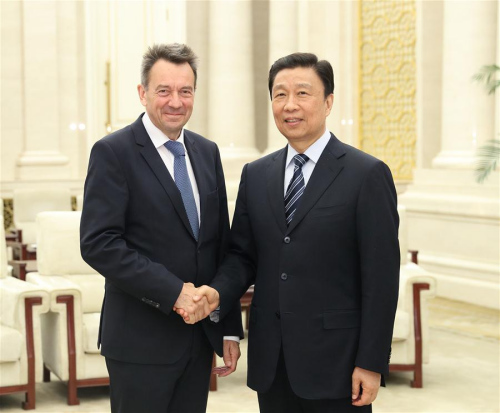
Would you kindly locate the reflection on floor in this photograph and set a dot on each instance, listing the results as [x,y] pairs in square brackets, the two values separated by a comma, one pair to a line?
[463,374]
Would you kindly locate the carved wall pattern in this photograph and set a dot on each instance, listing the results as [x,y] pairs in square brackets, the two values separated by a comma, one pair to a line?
[7,213]
[388,126]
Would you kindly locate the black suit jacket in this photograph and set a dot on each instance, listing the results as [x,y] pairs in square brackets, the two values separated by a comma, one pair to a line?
[326,286]
[135,232]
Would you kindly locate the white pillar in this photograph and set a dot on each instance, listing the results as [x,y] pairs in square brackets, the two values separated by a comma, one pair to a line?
[497,103]
[469,42]
[231,93]
[452,220]
[231,112]
[283,41]
[41,93]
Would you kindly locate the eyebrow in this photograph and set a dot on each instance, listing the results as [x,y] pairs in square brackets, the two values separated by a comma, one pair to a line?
[168,87]
[282,86]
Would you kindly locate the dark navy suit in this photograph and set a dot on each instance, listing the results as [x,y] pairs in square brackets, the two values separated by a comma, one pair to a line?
[135,232]
[326,286]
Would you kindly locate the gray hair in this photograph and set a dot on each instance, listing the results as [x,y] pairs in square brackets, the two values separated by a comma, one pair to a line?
[174,52]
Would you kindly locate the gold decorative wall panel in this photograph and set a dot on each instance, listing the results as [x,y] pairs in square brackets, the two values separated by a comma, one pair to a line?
[388,126]
[7,213]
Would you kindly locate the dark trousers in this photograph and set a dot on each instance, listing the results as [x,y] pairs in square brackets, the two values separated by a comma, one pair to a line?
[280,398]
[181,387]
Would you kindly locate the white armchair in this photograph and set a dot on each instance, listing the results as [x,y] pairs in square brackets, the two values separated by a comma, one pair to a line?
[20,352]
[410,341]
[27,204]
[79,202]
[71,327]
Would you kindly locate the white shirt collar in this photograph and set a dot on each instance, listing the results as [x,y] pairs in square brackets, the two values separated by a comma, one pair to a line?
[313,152]
[156,135]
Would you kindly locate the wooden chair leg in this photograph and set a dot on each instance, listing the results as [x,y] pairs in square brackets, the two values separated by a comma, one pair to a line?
[72,393]
[70,323]
[29,402]
[414,256]
[46,374]
[213,377]
[247,317]
[417,381]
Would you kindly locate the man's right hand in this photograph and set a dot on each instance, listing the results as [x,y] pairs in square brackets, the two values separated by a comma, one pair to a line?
[190,310]
[204,300]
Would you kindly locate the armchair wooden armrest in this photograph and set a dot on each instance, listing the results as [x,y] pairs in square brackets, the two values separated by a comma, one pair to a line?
[22,251]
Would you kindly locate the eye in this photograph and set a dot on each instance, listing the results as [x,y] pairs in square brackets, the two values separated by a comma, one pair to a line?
[162,93]
[186,92]
[302,93]
[279,95]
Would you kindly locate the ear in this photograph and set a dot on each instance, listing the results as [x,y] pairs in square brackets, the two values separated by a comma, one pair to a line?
[142,94]
[329,104]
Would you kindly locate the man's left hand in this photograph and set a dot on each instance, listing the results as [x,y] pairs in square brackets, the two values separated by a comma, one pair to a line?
[365,385]
[231,355]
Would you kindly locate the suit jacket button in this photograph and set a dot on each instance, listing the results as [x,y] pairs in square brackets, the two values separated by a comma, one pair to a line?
[286,240]
[284,276]
[278,315]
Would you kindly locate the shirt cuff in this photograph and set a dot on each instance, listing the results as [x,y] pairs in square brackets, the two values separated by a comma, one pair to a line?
[232,338]
[214,315]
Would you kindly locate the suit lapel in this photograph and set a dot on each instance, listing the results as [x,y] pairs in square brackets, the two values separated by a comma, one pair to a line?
[201,172]
[325,172]
[275,187]
[150,154]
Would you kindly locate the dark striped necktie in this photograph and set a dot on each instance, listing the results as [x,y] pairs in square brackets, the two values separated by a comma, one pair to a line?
[295,188]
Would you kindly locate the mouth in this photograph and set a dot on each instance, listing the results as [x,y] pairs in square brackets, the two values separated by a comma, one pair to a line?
[292,121]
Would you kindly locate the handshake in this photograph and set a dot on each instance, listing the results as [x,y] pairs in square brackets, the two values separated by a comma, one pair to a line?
[194,304]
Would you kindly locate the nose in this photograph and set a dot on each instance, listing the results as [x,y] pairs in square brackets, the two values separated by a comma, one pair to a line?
[175,101]
[290,103]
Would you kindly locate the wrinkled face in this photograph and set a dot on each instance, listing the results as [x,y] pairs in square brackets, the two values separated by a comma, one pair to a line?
[169,97]
[299,105]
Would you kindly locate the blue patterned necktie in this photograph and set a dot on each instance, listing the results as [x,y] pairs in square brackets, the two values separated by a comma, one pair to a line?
[295,188]
[182,181]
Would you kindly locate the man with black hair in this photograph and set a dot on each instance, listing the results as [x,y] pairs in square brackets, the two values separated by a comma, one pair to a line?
[316,230]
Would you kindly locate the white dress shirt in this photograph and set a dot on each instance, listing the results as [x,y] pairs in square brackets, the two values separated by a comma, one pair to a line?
[313,152]
[159,139]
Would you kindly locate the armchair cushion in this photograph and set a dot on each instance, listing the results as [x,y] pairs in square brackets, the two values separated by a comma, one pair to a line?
[403,234]
[29,202]
[4,270]
[91,332]
[403,342]
[59,251]
[91,287]
[79,202]
[29,232]
[13,358]
[401,326]
[12,343]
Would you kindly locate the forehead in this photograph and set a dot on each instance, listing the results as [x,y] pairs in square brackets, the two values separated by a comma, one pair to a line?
[296,76]
[168,73]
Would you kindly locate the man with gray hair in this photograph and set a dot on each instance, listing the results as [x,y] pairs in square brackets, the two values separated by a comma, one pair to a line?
[155,224]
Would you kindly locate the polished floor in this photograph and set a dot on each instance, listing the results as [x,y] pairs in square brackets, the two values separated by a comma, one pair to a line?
[462,376]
